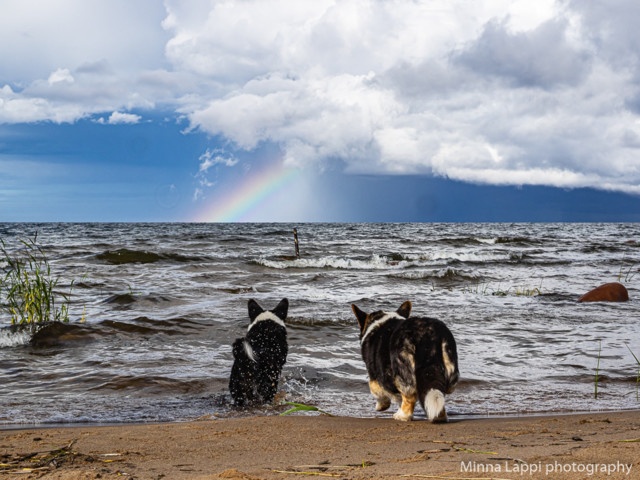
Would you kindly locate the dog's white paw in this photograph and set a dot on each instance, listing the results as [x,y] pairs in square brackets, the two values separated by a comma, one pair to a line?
[402,416]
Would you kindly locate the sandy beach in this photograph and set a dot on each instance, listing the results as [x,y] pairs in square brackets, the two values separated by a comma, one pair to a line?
[604,445]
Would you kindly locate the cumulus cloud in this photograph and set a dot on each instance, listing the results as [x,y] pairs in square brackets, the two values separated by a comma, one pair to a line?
[211,158]
[60,75]
[505,92]
[117,117]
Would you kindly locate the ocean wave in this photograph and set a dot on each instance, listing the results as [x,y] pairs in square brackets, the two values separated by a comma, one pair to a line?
[443,275]
[57,333]
[44,335]
[319,322]
[392,261]
[14,336]
[471,241]
[151,384]
[124,256]
[375,262]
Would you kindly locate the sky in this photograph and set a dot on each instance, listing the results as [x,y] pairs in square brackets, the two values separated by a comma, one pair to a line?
[323,110]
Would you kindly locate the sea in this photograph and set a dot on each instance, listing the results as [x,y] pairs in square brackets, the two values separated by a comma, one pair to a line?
[155,308]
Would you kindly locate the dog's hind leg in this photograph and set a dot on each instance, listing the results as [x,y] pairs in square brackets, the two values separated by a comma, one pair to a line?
[405,379]
[405,412]
[383,399]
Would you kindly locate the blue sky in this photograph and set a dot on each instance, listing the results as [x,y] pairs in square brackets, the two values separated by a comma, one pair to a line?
[319,111]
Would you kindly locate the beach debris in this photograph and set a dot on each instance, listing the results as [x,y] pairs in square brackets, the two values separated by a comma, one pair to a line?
[609,292]
[418,475]
[300,407]
[48,460]
[460,449]
[235,474]
[318,474]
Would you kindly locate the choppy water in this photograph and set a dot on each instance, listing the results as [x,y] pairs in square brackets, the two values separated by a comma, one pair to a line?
[164,302]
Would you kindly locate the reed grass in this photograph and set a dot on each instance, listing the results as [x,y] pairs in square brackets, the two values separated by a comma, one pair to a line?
[597,369]
[626,277]
[485,289]
[637,374]
[27,288]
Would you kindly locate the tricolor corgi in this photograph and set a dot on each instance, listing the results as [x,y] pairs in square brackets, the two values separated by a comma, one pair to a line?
[259,356]
[408,359]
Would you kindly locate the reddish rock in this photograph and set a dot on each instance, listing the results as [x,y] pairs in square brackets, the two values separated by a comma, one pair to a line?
[609,292]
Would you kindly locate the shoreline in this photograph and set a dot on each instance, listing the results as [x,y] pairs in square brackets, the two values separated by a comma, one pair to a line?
[451,419]
[342,447]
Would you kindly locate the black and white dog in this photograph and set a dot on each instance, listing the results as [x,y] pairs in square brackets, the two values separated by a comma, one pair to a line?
[408,359]
[259,356]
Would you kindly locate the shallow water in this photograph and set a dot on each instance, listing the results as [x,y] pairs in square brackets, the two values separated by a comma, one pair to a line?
[164,302]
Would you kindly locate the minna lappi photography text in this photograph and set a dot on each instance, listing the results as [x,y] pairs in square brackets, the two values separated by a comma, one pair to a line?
[550,469]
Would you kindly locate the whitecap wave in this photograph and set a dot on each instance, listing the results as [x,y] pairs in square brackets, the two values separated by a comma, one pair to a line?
[10,337]
[487,241]
[383,262]
[375,262]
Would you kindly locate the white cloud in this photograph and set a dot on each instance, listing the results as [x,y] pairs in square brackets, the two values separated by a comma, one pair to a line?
[60,75]
[215,157]
[117,117]
[211,158]
[497,91]
[489,92]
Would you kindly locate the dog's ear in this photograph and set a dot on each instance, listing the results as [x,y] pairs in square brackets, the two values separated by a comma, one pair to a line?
[360,315]
[254,310]
[405,309]
[281,310]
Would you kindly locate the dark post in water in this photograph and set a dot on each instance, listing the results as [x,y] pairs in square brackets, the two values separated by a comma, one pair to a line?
[295,239]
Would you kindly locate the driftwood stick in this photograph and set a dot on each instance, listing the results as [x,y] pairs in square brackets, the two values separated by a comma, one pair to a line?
[295,239]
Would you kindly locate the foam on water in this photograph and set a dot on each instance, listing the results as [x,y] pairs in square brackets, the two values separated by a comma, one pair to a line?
[13,337]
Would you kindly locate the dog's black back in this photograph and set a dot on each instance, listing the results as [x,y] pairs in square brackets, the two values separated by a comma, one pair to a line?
[419,336]
[259,356]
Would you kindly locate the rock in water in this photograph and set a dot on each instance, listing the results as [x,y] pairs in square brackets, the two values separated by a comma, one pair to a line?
[609,292]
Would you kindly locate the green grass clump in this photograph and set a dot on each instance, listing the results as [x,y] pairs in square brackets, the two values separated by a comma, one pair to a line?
[27,286]
[300,407]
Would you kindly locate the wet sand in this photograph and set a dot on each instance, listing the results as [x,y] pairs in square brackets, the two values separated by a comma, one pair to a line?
[605,445]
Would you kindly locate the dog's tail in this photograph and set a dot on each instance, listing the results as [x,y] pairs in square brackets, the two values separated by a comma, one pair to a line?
[242,350]
[432,387]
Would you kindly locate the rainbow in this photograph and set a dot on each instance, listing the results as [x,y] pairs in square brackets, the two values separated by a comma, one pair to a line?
[248,195]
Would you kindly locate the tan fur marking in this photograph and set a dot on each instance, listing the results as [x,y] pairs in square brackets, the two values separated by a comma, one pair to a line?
[405,412]
[448,364]
[383,398]
[376,389]
[408,404]
[408,354]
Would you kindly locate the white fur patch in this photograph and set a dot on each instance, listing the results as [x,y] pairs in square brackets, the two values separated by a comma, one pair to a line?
[403,417]
[435,405]
[249,351]
[449,366]
[378,323]
[267,316]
